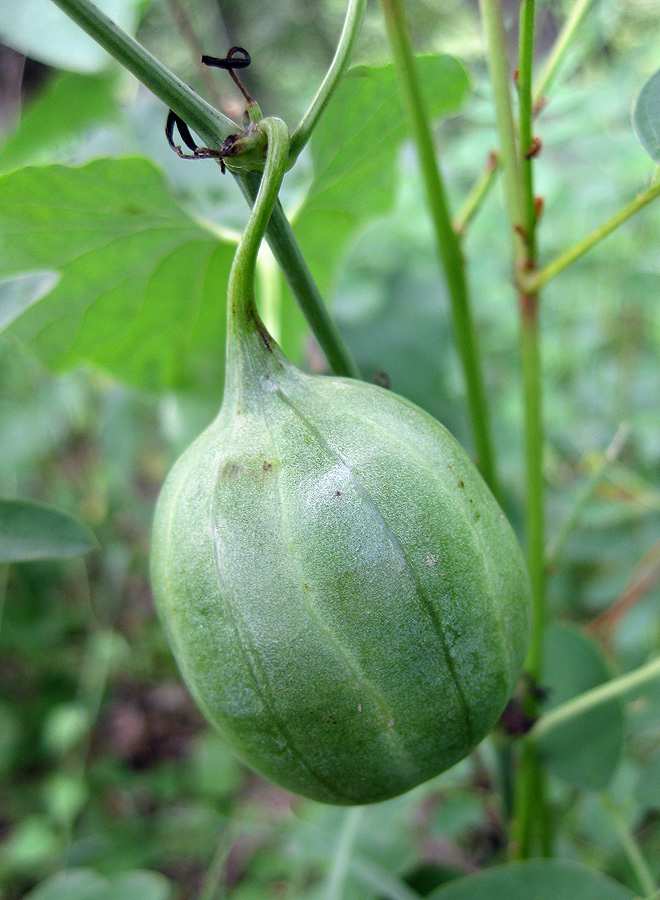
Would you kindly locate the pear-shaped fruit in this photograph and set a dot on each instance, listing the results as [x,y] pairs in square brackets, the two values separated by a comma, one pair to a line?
[345,598]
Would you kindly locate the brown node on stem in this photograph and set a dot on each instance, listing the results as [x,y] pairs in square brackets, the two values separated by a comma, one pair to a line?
[539,206]
[535,148]
[538,106]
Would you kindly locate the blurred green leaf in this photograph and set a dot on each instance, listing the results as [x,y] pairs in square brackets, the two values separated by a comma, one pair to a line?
[41,31]
[74,885]
[354,149]
[646,117]
[535,880]
[142,291]
[81,884]
[30,846]
[215,771]
[648,787]
[67,106]
[64,797]
[586,751]
[30,531]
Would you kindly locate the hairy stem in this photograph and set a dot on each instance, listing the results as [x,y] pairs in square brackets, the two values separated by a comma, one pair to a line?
[209,124]
[447,242]
[338,66]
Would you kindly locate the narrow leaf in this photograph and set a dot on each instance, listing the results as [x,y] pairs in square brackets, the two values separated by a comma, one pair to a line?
[30,531]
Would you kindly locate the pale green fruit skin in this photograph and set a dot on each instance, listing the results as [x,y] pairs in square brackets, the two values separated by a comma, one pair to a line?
[345,598]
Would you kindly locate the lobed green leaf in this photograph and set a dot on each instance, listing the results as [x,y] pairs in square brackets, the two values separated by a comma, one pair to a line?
[142,286]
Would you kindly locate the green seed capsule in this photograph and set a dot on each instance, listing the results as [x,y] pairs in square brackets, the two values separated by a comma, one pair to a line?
[344,597]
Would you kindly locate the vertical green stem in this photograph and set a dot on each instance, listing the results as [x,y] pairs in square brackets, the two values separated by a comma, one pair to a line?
[498,65]
[517,165]
[525,56]
[530,784]
[446,238]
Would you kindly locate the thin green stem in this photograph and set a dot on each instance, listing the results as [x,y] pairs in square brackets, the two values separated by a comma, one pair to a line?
[578,706]
[525,61]
[480,190]
[213,128]
[631,848]
[611,454]
[534,519]
[342,856]
[547,273]
[382,882]
[517,166]
[213,887]
[447,242]
[338,66]
[491,13]
[560,47]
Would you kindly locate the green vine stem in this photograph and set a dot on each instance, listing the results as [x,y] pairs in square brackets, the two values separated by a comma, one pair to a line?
[578,706]
[446,238]
[491,13]
[338,66]
[608,458]
[525,122]
[539,279]
[477,195]
[209,124]
[213,128]
[560,47]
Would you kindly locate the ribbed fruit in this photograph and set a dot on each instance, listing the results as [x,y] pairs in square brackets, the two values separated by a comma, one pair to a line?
[345,599]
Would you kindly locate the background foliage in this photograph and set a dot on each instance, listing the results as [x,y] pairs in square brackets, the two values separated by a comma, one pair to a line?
[113,262]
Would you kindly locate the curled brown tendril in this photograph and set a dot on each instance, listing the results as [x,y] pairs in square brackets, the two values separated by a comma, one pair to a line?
[237,58]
